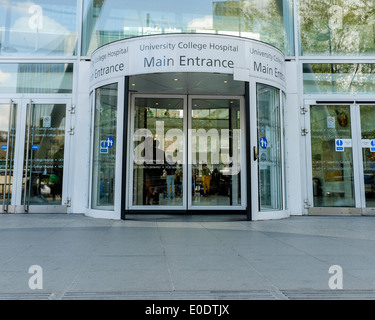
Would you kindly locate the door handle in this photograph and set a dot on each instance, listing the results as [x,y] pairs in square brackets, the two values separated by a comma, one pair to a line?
[255,153]
[26,206]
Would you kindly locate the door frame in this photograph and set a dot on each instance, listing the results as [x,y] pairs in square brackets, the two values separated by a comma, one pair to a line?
[23,101]
[358,173]
[187,196]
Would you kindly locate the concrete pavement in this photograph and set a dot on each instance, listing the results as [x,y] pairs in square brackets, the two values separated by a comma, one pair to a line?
[186,257]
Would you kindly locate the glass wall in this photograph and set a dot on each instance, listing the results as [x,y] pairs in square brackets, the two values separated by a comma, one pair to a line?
[36,78]
[336,78]
[38,28]
[269,154]
[337,27]
[269,21]
[104,150]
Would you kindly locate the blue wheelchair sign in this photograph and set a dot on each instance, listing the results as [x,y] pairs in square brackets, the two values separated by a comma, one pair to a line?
[339,145]
[263,142]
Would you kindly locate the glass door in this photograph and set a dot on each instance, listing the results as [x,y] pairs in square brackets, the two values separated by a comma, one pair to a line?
[343,157]
[8,115]
[158,157]
[215,153]
[332,156]
[367,118]
[185,153]
[33,156]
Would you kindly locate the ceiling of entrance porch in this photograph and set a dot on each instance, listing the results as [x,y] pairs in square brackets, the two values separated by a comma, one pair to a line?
[187,83]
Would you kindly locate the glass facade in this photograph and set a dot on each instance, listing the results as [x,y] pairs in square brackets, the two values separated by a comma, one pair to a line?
[38,28]
[337,27]
[330,42]
[268,21]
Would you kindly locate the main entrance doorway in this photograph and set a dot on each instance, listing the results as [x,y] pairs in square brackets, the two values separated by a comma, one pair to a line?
[33,149]
[185,153]
[343,157]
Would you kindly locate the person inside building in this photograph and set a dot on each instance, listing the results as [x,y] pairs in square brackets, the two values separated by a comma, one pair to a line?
[206,179]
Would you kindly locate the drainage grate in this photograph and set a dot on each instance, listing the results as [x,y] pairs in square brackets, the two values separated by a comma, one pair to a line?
[329,294]
[25,296]
[172,295]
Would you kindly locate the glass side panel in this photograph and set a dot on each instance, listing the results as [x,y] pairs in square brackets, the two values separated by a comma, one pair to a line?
[368,152]
[36,78]
[7,149]
[338,78]
[104,150]
[216,152]
[332,156]
[45,136]
[38,28]
[269,137]
[158,175]
[268,21]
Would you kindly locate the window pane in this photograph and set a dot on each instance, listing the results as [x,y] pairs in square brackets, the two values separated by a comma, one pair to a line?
[337,27]
[107,21]
[104,152]
[269,137]
[38,28]
[339,78]
[36,78]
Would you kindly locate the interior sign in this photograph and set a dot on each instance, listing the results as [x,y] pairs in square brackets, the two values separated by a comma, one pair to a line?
[368,144]
[341,144]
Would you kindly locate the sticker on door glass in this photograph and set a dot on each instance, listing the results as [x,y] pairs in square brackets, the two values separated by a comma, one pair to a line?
[331,124]
[46,121]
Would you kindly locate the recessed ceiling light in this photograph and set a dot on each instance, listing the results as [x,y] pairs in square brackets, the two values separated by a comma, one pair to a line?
[175,79]
[225,81]
[133,84]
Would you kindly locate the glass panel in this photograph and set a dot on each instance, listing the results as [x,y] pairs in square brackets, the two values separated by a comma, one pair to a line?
[158,177]
[38,28]
[332,160]
[216,157]
[45,133]
[337,27]
[104,150]
[339,78]
[269,137]
[368,152]
[6,176]
[36,78]
[107,21]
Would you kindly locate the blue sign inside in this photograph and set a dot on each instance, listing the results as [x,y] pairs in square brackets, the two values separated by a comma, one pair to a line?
[4,147]
[35,147]
[263,142]
[339,145]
